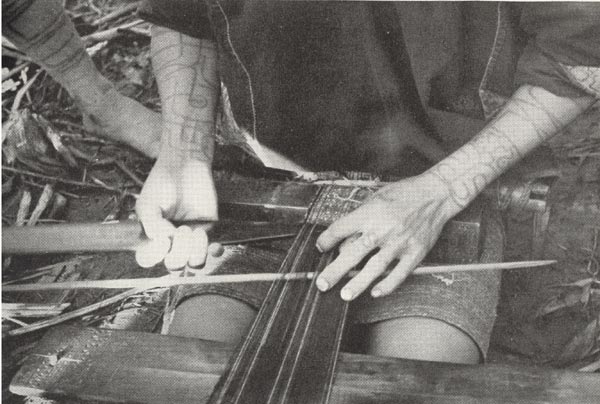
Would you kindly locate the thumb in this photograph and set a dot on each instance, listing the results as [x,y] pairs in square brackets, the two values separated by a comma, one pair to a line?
[154,224]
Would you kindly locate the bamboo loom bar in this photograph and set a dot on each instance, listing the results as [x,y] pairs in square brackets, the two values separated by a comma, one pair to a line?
[118,366]
[98,237]
[170,280]
[70,237]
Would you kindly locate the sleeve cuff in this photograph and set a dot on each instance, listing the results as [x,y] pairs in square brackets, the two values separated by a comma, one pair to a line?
[538,69]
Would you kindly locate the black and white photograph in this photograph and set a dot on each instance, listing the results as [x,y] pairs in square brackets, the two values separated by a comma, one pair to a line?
[300,202]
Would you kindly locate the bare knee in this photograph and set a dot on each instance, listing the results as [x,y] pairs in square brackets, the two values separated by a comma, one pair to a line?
[212,317]
[421,338]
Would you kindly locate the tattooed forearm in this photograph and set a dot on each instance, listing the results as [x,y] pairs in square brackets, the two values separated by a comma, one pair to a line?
[529,118]
[186,73]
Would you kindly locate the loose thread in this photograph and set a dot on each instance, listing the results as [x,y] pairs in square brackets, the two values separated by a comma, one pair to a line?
[239,60]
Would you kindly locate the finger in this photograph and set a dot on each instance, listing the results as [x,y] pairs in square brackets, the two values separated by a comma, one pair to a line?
[199,247]
[376,265]
[323,284]
[406,265]
[180,249]
[216,250]
[338,231]
[348,242]
[155,225]
[347,259]
[152,252]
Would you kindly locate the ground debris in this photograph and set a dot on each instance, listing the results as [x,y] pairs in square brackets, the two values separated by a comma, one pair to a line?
[140,312]
[32,310]
[59,301]
[571,294]
[46,145]
[545,314]
[584,343]
[594,366]
[23,137]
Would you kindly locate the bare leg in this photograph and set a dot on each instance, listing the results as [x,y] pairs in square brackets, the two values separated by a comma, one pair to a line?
[212,317]
[42,30]
[421,338]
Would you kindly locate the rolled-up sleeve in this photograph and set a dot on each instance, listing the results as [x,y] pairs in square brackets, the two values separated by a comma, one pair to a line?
[190,17]
[563,50]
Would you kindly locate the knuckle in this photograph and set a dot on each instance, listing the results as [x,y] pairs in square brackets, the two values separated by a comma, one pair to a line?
[388,253]
[369,240]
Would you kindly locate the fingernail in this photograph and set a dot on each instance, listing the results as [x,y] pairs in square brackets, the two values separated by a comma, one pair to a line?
[376,292]
[347,294]
[368,240]
[319,249]
[322,284]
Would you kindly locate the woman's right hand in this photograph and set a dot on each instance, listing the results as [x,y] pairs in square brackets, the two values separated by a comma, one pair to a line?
[176,190]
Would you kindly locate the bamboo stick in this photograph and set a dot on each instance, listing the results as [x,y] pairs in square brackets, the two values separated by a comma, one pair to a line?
[115,14]
[36,273]
[41,206]
[110,33]
[23,211]
[170,280]
[127,235]
[73,314]
[33,309]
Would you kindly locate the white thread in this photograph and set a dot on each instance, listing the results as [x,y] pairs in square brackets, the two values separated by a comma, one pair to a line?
[444,280]
[239,60]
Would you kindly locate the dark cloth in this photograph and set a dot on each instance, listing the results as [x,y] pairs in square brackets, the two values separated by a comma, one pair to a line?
[564,31]
[558,33]
[465,300]
[329,77]
[337,85]
[189,17]
[323,81]
[13,9]
[547,35]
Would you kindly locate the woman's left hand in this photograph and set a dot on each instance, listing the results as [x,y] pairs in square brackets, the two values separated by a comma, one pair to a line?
[402,221]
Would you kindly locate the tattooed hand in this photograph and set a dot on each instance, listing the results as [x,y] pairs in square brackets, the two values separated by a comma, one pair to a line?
[176,190]
[180,185]
[399,224]
[403,220]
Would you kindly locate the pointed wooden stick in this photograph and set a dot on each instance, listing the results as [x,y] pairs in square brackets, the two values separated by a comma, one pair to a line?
[171,280]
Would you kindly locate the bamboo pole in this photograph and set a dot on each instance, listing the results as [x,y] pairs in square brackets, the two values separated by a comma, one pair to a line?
[126,235]
[172,280]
